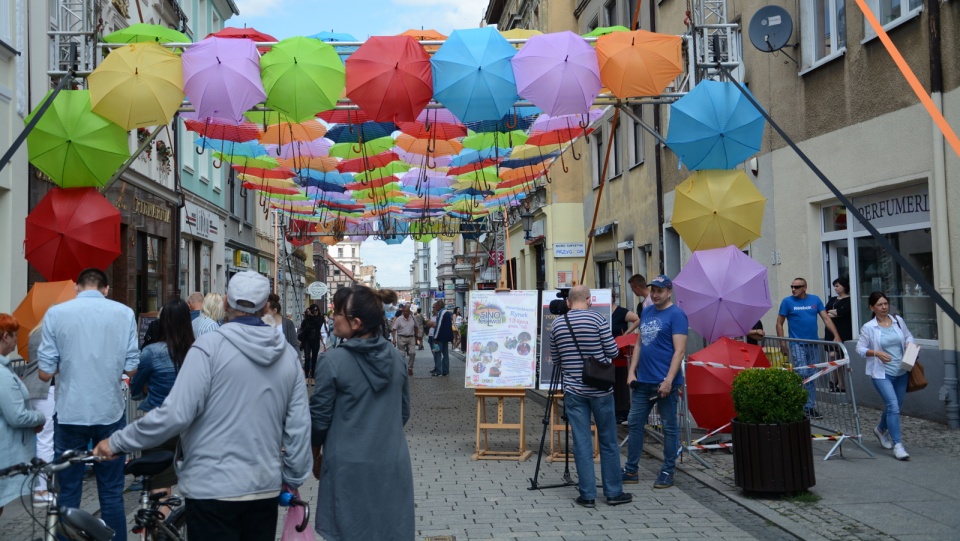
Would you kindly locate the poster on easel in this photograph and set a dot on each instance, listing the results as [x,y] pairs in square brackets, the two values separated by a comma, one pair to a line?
[501,327]
[601,301]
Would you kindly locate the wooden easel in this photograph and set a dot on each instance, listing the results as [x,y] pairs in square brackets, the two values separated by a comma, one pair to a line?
[558,431]
[483,451]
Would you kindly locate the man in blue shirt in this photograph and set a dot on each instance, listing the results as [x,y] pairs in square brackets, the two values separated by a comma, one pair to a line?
[656,379]
[800,311]
[89,343]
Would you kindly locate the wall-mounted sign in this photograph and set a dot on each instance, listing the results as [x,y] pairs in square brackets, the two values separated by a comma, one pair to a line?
[565,278]
[242,259]
[569,249]
[263,265]
[317,290]
[200,222]
[903,206]
[439,295]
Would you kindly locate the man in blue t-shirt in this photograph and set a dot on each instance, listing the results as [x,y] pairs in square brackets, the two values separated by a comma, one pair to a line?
[655,379]
[800,311]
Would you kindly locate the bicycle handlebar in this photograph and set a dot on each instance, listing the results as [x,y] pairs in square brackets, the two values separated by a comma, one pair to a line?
[36,465]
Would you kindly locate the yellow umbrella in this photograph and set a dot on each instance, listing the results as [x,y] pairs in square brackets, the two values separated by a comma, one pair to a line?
[137,85]
[716,208]
[519,33]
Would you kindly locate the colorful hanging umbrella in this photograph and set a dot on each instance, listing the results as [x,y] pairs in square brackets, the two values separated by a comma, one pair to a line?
[546,122]
[246,33]
[142,32]
[558,72]
[73,145]
[519,33]
[286,132]
[714,126]
[344,116]
[71,230]
[428,147]
[354,133]
[302,77]
[357,165]
[709,378]
[311,149]
[714,208]
[277,172]
[723,292]
[216,128]
[638,63]
[604,30]
[137,85]
[358,150]
[483,140]
[390,78]
[472,74]
[34,306]
[221,77]
[426,35]
[433,130]
[324,164]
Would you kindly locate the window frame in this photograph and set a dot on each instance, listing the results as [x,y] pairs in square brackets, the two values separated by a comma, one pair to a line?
[912,13]
[812,31]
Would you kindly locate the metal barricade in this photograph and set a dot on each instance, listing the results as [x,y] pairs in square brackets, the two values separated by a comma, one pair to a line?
[132,413]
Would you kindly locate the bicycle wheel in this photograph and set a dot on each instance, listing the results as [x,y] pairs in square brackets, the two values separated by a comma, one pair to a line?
[176,523]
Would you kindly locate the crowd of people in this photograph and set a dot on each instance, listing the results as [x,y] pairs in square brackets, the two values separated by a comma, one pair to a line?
[221,383]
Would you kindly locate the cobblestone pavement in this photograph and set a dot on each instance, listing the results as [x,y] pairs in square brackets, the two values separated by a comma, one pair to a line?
[861,498]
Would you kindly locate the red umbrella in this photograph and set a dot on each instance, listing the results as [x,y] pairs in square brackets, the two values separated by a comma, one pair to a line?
[710,374]
[213,128]
[357,165]
[390,78]
[433,130]
[279,172]
[71,230]
[344,116]
[245,33]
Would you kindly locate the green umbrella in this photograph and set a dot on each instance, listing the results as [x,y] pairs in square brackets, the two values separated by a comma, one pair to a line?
[604,30]
[141,32]
[368,148]
[267,118]
[391,168]
[482,140]
[74,146]
[302,77]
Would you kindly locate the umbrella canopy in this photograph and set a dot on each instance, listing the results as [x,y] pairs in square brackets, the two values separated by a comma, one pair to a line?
[558,73]
[723,292]
[302,77]
[73,145]
[142,32]
[426,35]
[713,209]
[284,133]
[34,306]
[71,230]
[222,78]
[472,74]
[638,63]
[390,78]
[246,33]
[709,377]
[519,33]
[137,85]
[714,126]
[216,128]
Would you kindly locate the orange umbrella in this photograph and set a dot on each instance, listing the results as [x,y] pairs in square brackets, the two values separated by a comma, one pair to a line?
[638,63]
[325,164]
[426,35]
[34,306]
[288,132]
[427,147]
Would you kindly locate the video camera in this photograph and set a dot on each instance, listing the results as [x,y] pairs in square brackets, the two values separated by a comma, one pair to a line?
[558,306]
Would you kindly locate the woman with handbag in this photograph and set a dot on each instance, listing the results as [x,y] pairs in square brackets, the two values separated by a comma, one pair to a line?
[883,341]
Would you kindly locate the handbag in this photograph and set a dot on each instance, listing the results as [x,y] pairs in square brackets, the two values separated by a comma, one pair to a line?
[916,381]
[596,374]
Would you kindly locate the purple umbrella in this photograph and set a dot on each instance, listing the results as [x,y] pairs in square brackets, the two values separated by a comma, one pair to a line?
[308,149]
[558,72]
[545,122]
[222,77]
[723,292]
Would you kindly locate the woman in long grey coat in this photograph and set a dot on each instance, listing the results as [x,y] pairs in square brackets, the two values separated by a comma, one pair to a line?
[359,406]
[18,423]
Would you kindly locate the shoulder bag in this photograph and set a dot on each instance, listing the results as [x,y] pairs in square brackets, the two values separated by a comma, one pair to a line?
[916,381]
[596,374]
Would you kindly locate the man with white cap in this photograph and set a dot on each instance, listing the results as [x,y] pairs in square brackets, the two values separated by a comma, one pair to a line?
[240,407]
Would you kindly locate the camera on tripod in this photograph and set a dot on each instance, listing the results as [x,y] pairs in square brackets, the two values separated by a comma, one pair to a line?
[558,306]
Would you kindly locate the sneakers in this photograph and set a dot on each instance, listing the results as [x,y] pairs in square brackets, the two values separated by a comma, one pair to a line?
[664,480]
[623,498]
[583,502]
[630,478]
[884,438]
[41,499]
[900,452]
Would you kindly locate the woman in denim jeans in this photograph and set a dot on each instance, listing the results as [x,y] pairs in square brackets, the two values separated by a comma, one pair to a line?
[882,342]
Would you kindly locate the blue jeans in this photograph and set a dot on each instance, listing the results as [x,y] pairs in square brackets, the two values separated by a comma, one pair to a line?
[804,354]
[441,359]
[892,389]
[109,473]
[640,407]
[578,409]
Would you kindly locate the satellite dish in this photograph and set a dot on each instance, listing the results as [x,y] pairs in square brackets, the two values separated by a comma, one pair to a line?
[770,28]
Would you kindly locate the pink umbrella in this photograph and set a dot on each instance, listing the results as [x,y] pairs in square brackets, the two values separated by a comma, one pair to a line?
[307,149]
[221,77]
[558,72]
[723,292]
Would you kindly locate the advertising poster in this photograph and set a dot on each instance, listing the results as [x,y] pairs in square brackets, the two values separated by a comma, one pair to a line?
[600,299]
[501,328]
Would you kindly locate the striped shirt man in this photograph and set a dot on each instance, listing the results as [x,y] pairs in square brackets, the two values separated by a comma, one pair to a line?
[593,334]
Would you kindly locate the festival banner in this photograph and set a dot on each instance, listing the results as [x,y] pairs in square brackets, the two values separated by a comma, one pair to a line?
[501,352]
[600,302]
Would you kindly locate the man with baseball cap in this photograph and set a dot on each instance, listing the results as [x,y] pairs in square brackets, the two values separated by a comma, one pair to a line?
[655,379]
[240,407]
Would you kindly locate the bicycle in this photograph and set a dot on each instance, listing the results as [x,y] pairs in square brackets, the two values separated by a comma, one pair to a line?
[150,521]
[74,524]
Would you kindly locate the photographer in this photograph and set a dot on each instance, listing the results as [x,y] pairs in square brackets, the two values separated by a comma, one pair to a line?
[593,335]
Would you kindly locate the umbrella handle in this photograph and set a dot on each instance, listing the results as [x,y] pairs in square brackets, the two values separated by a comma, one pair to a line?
[584,123]
[430,165]
[515,120]
[217,163]
[564,164]
[199,150]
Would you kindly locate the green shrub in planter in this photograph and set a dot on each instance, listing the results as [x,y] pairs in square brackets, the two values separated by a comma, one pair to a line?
[768,396]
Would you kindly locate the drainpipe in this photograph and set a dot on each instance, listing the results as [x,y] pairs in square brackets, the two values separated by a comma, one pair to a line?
[181,202]
[948,331]
[657,156]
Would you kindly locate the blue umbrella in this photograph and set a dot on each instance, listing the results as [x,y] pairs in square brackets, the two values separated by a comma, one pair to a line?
[335,37]
[522,162]
[714,127]
[250,149]
[466,157]
[520,118]
[351,133]
[473,76]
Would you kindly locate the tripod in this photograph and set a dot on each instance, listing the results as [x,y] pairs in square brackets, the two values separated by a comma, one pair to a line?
[551,394]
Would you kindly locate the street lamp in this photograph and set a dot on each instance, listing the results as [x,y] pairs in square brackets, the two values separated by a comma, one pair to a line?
[527,219]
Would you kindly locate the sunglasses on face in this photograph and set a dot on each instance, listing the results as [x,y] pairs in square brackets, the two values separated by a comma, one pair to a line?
[797,287]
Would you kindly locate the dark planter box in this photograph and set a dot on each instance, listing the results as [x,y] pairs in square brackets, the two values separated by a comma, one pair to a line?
[773,458]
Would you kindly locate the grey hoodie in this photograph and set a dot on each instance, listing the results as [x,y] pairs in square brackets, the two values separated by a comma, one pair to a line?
[239,399]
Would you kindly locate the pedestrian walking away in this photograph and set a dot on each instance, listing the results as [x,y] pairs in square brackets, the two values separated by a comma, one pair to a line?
[405,335]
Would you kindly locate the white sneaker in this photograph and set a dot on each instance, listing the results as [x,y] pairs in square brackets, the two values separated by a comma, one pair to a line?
[900,452]
[884,438]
